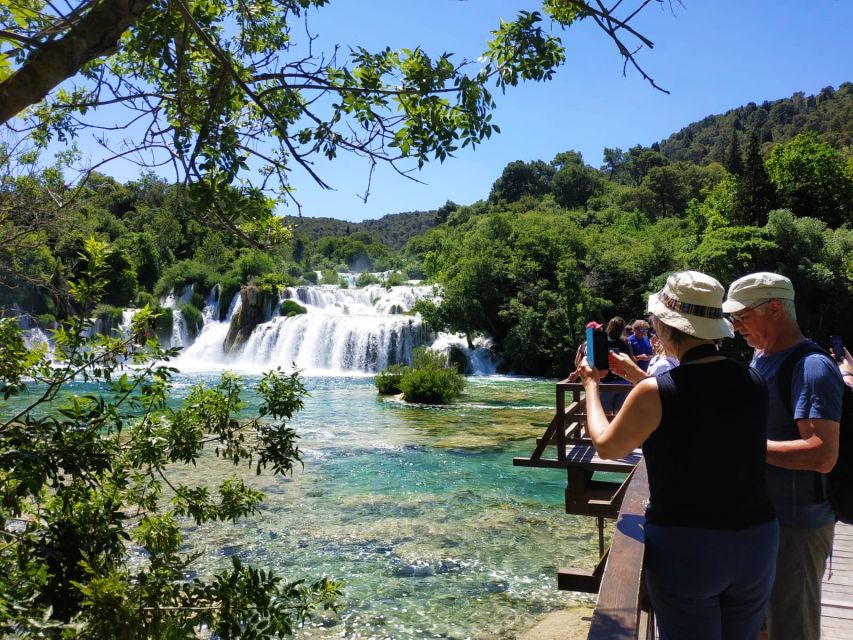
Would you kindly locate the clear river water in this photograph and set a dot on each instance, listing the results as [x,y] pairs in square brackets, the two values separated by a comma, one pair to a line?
[417,509]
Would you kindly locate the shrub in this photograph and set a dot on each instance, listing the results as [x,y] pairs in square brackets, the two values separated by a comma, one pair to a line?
[143,298]
[330,276]
[429,379]
[290,308]
[252,264]
[343,283]
[388,380]
[395,280]
[183,273]
[108,316]
[45,320]
[163,323]
[366,279]
[197,300]
[193,318]
[310,276]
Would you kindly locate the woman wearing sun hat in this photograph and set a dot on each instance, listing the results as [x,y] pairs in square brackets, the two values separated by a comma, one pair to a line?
[711,533]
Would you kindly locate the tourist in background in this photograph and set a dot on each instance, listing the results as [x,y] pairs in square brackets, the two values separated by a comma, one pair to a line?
[711,535]
[612,400]
[801,447]
[640,344]
[846,366]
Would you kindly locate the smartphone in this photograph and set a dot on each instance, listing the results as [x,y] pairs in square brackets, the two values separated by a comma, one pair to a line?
[837,347]
[596,349]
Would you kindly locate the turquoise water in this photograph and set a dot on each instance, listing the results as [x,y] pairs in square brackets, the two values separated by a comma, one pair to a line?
[418,509]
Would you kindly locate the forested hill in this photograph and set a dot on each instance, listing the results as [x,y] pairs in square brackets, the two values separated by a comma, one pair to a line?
[393,230]
[829,114]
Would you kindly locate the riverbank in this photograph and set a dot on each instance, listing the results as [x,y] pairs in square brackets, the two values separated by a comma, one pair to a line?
[566,624]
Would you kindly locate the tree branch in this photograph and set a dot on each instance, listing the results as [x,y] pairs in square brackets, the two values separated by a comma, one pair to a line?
[96,35]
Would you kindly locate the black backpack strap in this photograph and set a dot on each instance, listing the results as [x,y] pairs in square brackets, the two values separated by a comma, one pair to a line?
[786,372]
[784,379]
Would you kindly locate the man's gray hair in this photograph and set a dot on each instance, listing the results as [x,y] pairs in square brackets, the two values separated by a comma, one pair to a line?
[788,308]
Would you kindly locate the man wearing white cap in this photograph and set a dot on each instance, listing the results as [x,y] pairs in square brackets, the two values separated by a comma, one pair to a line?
[802,445]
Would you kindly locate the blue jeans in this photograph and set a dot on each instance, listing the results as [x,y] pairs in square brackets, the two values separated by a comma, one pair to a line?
[710,584]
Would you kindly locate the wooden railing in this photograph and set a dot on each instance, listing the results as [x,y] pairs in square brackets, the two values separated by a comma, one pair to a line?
[621,613]
[618,576]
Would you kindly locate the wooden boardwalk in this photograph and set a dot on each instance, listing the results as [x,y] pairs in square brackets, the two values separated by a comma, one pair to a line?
[836,621]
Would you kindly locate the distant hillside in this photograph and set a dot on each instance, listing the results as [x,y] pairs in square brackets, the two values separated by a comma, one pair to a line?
[392,230]
[829,113]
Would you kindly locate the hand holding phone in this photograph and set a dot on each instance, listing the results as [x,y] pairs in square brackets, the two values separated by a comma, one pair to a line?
[837,348]
[596,349]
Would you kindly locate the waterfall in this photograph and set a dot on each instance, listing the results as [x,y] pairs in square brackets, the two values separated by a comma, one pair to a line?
[206,351]
[180,333]
[344,331]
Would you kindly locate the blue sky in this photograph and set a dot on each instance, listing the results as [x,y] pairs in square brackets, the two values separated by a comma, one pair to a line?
[712,55]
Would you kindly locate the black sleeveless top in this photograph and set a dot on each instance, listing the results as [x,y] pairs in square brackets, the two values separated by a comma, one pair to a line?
[706,460]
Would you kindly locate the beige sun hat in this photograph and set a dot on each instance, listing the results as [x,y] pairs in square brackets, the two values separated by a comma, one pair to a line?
[692,302]
[746,291]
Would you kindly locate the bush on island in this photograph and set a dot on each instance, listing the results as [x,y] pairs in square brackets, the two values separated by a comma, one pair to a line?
[46,320]
[366,279]
[193,318]
[388,380]
[290,308]
[108,317]
[396,279]
[430,380]
[163,323]
[343,283]
[329,276]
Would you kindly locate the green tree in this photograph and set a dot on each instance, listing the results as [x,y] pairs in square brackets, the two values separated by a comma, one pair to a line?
[812,179]
[640,160]
[574,182]
[614,162]
[86,477]
[520,179]
[733,162]
[430,379]
[218,86]
[755,196]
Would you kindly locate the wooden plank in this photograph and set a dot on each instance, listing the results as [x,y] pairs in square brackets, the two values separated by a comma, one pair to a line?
[616,617]
[581,580]
[836,615]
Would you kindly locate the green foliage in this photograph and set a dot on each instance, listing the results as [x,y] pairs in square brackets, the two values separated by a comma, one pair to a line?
[520,179]
[290,308]
[192,317]
[85,476]
[251,265]
[165,318]
[812,179]
[430,380]
[774,121]
[388,380]
[182,273]
[108,316]
[330,276]
[366,279]
[395,279]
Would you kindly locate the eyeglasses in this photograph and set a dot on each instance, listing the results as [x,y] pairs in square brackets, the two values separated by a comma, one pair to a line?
[641,329]
[738,317]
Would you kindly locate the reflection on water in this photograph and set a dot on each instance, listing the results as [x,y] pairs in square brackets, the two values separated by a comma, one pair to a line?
[418,509]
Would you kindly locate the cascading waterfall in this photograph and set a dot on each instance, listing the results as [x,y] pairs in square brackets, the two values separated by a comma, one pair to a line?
[344,331]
